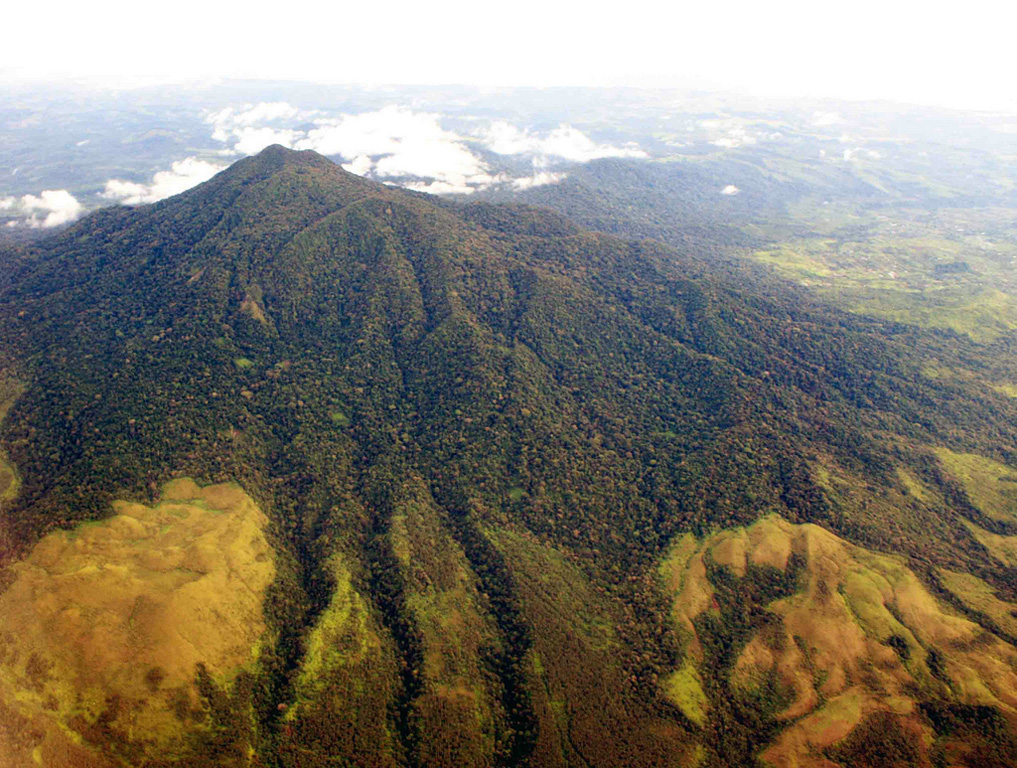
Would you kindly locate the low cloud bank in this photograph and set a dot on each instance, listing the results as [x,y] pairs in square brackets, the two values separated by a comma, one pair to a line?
[51,208]
[737,136]
[734,132]
[231,121]
[538,179]
[563,143]
[182,175]
[250,141]
[854,154]
[398,143]
[407,147]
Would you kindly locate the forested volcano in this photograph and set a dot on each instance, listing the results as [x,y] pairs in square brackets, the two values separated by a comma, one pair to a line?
[488,489]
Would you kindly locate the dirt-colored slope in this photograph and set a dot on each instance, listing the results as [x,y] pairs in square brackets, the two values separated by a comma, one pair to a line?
[835,636]
[103,627]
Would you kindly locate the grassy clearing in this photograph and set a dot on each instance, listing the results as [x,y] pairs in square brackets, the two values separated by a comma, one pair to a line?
[979,596]
[553,579]
[800,743]
[991,486]
[728,550]
[672,567]
[769,542]
[914,486]
[860,633]
[10,482]
[126,608]
[1005,388]
[342,636]
[339,418]
[685,689]
[919,273]
[1003,548]
[583,683]
[984,315]
[794,261]
[443,596]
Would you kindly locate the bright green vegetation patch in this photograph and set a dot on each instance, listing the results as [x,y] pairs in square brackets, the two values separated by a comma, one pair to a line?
[243,363]
[1005,388]
[442,596]
[794,261]
[339,418]
[983,315]
[1003,548]
[685,689]
[10,483]
[930,274]
[843,710]
[342,637]
[979,596]
[127,608]
[991,486]
[914,486]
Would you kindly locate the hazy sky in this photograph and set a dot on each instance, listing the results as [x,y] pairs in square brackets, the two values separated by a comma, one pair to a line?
[950,54]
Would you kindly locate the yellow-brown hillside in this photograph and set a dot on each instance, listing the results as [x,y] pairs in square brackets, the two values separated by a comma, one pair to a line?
[103,627]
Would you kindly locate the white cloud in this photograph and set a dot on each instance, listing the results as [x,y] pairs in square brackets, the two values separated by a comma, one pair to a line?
[6,203]
[360,165]
[182,175]
[374,133]
[731,133]
[730,189]
[51,208]
[440,188]
[537,180]
[564,142]
[265,112]
[736,137]
[239,122]
[250,141]
[82,143]
[856,153]
[395,142]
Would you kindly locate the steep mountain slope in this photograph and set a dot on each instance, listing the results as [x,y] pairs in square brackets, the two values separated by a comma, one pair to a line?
[477,435]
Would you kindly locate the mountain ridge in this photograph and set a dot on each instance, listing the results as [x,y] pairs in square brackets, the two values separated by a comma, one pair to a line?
[476,432]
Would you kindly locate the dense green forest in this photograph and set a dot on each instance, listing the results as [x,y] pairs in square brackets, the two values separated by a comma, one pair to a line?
[493,451]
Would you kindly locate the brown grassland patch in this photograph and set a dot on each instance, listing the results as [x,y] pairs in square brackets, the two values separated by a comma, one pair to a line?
[108,622]
[859,635]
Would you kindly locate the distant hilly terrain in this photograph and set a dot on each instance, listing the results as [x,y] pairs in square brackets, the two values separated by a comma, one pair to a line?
[299,469]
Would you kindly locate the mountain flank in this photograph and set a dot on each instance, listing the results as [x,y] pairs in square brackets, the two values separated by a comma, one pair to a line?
[513,493]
